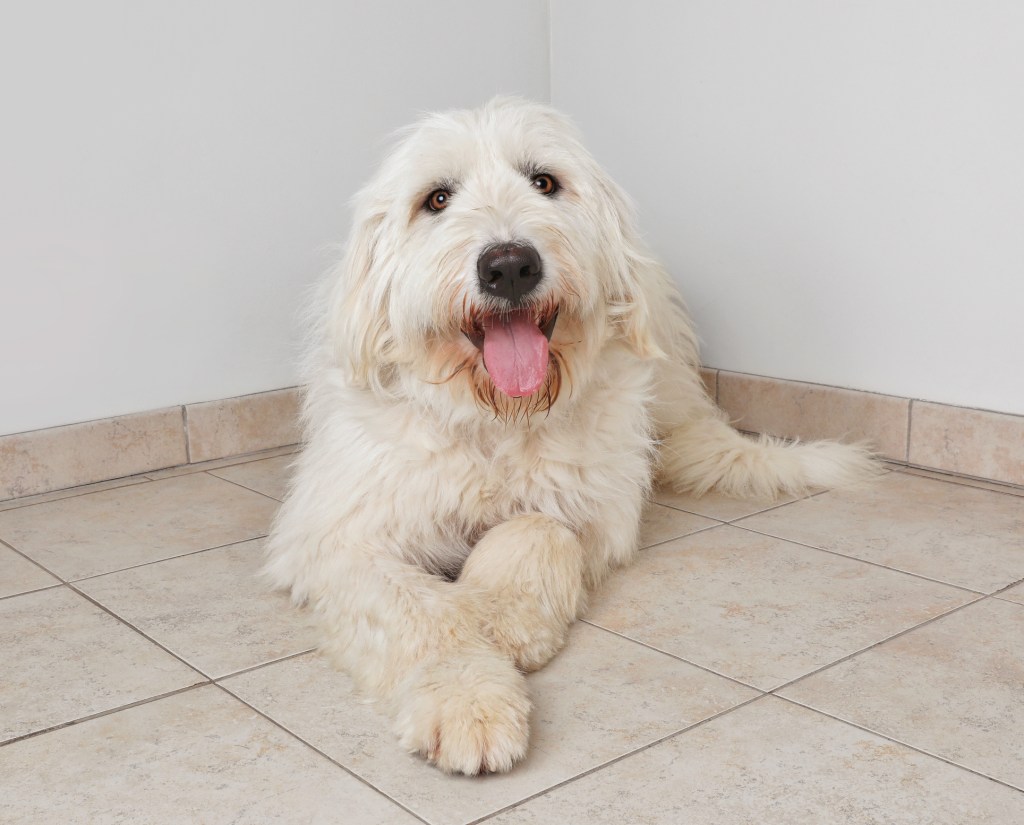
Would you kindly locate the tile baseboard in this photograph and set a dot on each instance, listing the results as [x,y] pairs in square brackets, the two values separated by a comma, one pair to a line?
[953,440]
[949,439]
[73,455]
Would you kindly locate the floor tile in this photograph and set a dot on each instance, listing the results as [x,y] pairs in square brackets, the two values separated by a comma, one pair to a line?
[715,505]
[269,476]
[954,688]
[19,575]
[967,481]
[64,658]
[210,608]
[663,523]
[1014,594]
[196,757]
[772,762]
[759,609]
[603,696]
[951,533]
[110,530]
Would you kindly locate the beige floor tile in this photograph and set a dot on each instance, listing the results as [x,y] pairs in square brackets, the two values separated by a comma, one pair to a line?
[210,608]
[196,757]
[771,762]
[1014,594]
[981,484]
[269,476]
[663,523]
[967,537]
[600,698]
[761,610]
[106,531]
[715,505]
[64,658]
[19,575]
[954,688]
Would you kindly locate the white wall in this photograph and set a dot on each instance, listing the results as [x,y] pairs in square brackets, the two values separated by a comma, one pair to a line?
[838,187]
[170,174]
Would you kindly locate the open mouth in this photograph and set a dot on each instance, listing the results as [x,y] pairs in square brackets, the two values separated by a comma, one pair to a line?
[515,346]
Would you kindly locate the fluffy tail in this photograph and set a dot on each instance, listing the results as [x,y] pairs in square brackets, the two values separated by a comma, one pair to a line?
[708,454]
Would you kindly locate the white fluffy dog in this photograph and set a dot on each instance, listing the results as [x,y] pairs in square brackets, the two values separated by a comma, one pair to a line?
[499,371]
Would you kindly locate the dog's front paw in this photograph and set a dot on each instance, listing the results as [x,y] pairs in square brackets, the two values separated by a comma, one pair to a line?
[468,714]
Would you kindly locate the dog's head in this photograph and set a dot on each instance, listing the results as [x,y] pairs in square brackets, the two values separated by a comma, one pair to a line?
[491,257]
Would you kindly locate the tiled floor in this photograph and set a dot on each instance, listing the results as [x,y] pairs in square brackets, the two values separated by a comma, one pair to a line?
[853,657]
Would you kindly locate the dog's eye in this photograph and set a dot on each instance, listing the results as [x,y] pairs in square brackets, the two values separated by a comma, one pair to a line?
[438,200]
[545,184]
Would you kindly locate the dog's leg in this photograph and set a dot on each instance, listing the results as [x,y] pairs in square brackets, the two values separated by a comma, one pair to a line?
[529,572]
[414,641]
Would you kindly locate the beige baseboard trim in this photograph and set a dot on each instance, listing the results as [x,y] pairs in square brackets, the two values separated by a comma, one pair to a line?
[42,461]
[955,440]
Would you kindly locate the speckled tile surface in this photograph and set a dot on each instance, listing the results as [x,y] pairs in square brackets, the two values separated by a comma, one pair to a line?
[772,762]
[954,688]
[600,698]
[948,532]
[19,575]
[197,757]
[100,723]
[100,532]
[64,658]
[210,608]
[760,609]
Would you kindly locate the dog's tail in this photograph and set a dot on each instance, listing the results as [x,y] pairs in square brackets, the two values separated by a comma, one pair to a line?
[708,454]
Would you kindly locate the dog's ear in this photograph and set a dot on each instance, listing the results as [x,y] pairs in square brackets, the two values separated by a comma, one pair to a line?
[634,276]
[359,326]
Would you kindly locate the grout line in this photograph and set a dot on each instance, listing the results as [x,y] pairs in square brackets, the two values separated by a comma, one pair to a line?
[251,668]
[213,474]
[33,590]
[57,495]
[184,432]
[207,678]
[108,712]
[675,656]
[159,561]
[910,423]
[619,758]
[974,482]
[774,691]
[683,535]
[919,576]
[896,741]
[315,749]
[223,463]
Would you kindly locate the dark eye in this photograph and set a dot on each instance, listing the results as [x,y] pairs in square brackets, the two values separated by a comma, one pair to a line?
[545,184]
[438,200]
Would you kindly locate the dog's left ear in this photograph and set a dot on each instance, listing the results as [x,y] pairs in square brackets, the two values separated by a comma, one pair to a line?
[634,276]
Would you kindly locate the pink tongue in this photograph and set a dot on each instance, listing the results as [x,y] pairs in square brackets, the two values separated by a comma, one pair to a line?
[515,353]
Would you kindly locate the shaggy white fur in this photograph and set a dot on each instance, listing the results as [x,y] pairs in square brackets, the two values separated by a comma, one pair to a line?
[445,532]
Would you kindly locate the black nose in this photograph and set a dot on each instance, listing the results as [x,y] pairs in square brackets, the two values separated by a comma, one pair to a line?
[509,270]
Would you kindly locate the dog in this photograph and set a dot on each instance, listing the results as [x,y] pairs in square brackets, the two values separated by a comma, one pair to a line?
[499,372]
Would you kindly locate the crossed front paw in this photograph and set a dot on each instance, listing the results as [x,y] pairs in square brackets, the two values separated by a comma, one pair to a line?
[466,714]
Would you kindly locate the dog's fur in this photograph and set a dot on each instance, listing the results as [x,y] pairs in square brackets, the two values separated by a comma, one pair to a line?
[445,533]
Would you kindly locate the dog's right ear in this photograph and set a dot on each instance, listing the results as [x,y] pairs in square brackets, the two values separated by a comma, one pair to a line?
[359,326]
